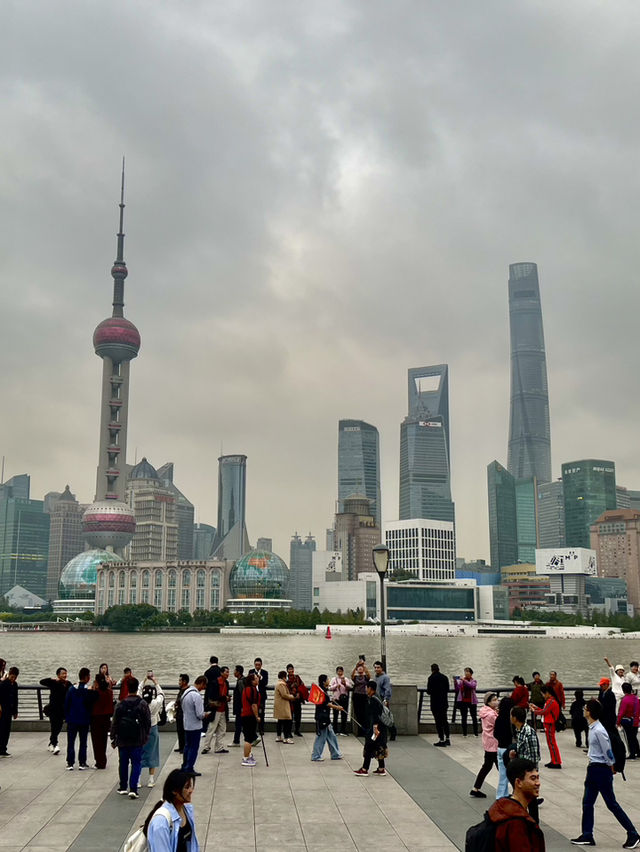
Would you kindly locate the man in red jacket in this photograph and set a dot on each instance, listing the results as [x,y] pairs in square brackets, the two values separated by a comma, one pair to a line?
[516,829]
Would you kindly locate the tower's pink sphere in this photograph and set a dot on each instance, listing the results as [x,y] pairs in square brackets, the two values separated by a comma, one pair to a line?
[116,338]
[108,523]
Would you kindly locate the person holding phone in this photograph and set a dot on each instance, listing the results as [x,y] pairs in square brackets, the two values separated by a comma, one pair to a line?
[360,677]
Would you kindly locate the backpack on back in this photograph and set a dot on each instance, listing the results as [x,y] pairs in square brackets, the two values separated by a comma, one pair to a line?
[386,717]
[138,842]
[128,730]
[162,716]
[481,837]
[619,751]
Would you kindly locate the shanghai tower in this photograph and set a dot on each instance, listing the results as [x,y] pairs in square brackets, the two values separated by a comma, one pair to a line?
[529,432]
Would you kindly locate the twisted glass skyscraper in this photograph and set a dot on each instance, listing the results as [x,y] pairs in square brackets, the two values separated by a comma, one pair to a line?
[529,431]
[359,463]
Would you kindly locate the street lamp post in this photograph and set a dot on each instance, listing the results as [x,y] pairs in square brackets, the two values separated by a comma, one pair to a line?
[381,563]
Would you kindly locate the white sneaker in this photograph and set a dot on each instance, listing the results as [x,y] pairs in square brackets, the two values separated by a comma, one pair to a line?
[288,742]
[279,739]
[56,750]
[151,783]
[49,747]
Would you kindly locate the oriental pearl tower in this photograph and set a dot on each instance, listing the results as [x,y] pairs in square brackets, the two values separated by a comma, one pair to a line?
[109,522]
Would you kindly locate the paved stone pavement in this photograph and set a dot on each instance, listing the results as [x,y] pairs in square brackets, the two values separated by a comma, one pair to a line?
[423,806]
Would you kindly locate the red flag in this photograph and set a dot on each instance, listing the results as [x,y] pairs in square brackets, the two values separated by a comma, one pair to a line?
[316,696]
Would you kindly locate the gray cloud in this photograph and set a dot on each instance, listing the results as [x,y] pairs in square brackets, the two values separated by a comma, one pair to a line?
[319,196]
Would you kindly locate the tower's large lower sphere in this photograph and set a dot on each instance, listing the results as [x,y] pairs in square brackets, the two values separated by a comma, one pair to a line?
[108,523]
[116,338]
[259,574]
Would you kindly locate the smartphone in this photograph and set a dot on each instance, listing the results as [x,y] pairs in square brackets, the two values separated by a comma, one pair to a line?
[150,673]
[362,657]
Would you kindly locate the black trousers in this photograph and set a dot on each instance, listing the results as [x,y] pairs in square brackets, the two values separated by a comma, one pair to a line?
[56,721]
[372,748]
[632,737]
[490,760]
[283,728]
[180,732]
[5,730]
[359,712]
[341,715]
[296,712]
[442,723]
[465,709]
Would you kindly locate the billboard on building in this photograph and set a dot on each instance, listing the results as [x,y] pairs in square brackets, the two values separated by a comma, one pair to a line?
[566,560]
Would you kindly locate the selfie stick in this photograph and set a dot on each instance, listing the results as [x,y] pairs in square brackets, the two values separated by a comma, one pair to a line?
[264,748]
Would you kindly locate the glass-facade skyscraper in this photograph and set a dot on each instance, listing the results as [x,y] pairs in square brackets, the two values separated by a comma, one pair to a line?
[359,463]
[301,571]
[589,490]
[529,431]
[526,519]
[425,471]
[503,532]
[24,545]
[231,540]
[551,514]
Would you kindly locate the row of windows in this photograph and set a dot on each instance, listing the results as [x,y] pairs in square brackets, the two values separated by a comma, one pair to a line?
[144,596]
[158,578]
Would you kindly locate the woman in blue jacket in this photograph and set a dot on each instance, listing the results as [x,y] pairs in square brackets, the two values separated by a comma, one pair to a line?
[171,824]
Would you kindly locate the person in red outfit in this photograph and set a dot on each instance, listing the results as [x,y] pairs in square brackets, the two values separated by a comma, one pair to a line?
[549,713]
[516,829]
[520,694]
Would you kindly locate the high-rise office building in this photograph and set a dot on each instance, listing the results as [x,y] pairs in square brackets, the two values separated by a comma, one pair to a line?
[356,534]
[424,548]
[425,486]
[17,486]
[589,490]
[615,537]
[359,463]
[526,519]
[264,543]
[503,530]
[203,538]
[231,535]
[184,513]
[529,430]
[550,497]
[623,498]
[154,508]
[301,571]
[65,538]
[24,545]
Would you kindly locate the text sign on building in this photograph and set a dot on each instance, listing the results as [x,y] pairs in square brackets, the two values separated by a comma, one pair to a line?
[432,424]
[566,560]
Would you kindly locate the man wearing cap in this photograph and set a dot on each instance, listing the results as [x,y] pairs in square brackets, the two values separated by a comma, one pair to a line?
[617,679]
[608,701]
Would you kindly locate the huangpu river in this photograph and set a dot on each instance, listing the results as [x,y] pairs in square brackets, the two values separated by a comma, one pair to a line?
[494,660]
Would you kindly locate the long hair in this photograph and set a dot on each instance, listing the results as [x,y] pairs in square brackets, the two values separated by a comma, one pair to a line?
[175,782]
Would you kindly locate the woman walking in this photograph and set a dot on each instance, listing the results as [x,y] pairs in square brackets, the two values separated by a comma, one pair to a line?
[152,693]
[324,729]
[360,677]
[282,700]
[503,732]
[549,712]
[100,721]
[171,825]
[488,716]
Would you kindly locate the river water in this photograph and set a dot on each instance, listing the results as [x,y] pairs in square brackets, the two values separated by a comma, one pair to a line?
[494,660]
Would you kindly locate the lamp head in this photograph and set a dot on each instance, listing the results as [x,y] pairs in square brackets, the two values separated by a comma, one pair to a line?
[381,558]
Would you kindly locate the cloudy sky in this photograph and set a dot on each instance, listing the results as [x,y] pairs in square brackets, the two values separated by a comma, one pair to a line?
[319,196]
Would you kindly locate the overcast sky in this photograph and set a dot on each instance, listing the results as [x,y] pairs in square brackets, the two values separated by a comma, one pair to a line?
[320,195]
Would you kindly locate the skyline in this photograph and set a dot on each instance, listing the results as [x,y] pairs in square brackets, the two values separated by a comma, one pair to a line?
[317,199]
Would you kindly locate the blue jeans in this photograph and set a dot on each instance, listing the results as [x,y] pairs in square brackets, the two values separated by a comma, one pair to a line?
[600,780]
[502,789]
[82,731]
[191,746]
[128,754]
[326,735]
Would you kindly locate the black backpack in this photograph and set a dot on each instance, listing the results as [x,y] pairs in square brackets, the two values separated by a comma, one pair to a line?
[619,751]
[481,837]
[128,730]
[162,715]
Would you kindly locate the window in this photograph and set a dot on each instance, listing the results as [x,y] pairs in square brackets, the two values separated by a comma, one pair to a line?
[199,598]
[173,577]
[158,579]
[120,597]
[157,598]
[171,600]
[133,579]
[186,577]
[186,599]
[145,596]
[200,578]
[215,598]
[146,578]
[133,595]
[112,579]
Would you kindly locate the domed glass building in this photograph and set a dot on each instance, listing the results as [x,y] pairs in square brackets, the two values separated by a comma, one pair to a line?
[259,579]
[78,578]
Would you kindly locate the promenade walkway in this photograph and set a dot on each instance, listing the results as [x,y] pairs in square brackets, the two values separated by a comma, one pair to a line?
[422,806]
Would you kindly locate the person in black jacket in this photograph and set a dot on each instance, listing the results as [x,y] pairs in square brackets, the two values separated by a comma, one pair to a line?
[8,707]
[183,684]
[129,732]
[212,674]
[375,741]
[503,732]
[438,692]
[263,680]
[238,673]
[57,687]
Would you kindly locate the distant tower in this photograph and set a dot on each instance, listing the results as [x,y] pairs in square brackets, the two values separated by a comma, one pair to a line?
[359,463]
[529,430]
[425,472]
[65,538]
[300,565]
[109,522]
[231,540]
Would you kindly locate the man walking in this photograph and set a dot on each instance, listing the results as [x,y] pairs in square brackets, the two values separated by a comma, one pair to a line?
[183,685]
[438,692]
[599,780]
[516,829]
[77,712]
[219,697]
[57,687]
[130,730]
[193,715]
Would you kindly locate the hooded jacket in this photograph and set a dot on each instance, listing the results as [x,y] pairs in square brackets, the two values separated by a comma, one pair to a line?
[488,718]
[516,830]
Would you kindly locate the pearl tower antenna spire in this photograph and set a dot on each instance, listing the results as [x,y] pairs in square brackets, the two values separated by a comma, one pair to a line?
[109,522]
